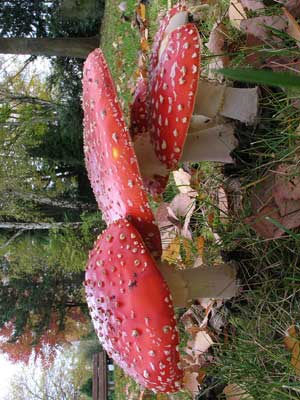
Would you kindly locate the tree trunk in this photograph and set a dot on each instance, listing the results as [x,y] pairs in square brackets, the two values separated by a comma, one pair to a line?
[72,205]
[30,226]
[61,47]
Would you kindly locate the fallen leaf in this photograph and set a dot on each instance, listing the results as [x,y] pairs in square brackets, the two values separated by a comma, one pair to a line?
[183,182]
[287,183]
[260,27]
[145,44]
[223,204]
[292,343]
[141,11]
[172,253]
[293,27]
[235,392]
[201,342]
[236,13]
[190,382]
[253,5]
[276,197]
[217,43]
[200,242]
[292,6]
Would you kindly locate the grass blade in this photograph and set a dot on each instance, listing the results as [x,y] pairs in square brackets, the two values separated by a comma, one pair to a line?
[262,77]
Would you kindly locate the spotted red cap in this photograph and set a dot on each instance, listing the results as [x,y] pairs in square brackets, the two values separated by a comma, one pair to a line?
[109,155]
[159,36]
[139,109]
[131,308]
[172,91]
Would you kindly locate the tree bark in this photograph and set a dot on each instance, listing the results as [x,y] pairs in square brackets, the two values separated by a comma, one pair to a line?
[72,205]
[61,47]
[30,226]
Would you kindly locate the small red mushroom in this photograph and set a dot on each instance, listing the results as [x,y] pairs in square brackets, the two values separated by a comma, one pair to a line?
[109,154]
[131,308]
[186,115]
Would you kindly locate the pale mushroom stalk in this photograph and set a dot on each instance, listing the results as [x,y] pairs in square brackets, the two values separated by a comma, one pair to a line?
[218,282]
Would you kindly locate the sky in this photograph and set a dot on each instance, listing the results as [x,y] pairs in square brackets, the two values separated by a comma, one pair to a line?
[12,65]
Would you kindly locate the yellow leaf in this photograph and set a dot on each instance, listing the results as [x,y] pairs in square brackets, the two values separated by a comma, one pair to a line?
[200,245]
[144,44]
[171,253]
[292,343]
[187,250]
[162,396]
[142,11]
[235,392]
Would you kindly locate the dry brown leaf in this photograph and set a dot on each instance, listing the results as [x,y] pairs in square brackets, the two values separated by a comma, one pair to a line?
[260,26]
[217,44]
[183,182]
[235,392]
[190,382]
[236,13]
[293,27]
[292,343]
[223,204]
[145,44]
[200,242]
[211,218]
[141,10]
[201,342]
[253,5]
[292,6]
[276,196]
[172,253]
[287,183]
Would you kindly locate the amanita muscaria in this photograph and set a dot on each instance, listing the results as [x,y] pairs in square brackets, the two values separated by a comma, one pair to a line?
[131,303]
[186,114]
[131,308]
[109,155]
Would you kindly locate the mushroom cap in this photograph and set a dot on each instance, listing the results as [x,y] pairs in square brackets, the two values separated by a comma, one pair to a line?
[131,308]
[139,109]
[159,36]
[173,89]
[109,155]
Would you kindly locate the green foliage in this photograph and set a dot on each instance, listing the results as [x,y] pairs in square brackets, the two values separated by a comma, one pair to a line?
[87,388]
[262,77]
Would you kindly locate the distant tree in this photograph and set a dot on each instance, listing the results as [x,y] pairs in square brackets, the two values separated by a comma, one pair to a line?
[60,381]
[36,28]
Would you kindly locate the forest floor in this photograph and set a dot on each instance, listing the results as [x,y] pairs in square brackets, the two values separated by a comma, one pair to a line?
[246,213]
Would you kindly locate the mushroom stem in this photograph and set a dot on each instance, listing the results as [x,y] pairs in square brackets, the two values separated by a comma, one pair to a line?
[211,144]
[215,99]
[218,282]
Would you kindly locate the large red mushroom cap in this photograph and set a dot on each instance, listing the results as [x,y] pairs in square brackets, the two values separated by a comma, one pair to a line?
[109,155]
[131,308]
[173,91]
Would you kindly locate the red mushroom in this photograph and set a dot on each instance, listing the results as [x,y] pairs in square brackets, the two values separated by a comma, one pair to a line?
[138,109]
[186,115]
[109,155]
[175,17]
[131,308]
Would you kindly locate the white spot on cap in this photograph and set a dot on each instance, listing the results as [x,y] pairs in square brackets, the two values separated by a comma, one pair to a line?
[146,374]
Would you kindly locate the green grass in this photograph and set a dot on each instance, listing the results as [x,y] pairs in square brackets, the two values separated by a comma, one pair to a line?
[120,44]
